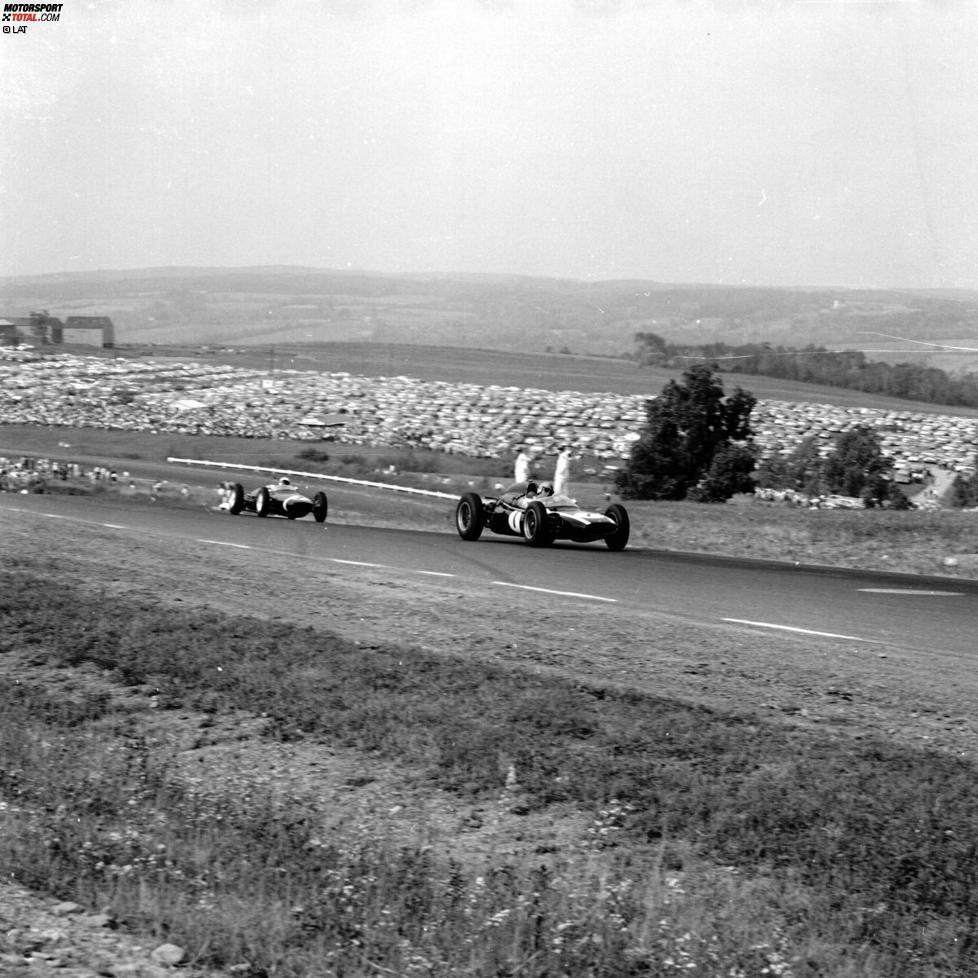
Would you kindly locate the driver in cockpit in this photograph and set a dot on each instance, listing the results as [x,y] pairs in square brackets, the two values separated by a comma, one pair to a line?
[529,494]
[535,491]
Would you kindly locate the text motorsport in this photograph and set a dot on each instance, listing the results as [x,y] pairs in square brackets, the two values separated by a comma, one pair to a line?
[16,16]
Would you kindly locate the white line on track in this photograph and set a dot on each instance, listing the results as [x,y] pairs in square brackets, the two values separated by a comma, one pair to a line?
[73,519]
[224,543]
[357,563]
[792,628]
[914,591]
[34,512]
[436,573]
[563,594]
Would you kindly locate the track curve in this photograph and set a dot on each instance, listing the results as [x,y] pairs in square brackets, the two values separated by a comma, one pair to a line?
[924,615]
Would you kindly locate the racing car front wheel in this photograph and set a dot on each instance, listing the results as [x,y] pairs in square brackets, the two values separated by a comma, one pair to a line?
[262,502]
[618,539]
[236,503]
[470,516]
[536,526]
[319,507]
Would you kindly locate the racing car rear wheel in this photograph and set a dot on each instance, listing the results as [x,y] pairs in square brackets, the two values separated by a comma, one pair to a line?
[319,507]
[262,502]
[237,499]
[536,526]
[470,516]
[618,540]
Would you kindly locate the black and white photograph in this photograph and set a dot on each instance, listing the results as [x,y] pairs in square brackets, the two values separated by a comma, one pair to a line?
[489,488]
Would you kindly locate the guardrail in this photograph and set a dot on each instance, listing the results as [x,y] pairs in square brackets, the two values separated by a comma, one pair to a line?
[314,475]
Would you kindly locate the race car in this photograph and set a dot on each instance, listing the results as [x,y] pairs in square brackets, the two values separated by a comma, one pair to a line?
[278,499]
[531,510]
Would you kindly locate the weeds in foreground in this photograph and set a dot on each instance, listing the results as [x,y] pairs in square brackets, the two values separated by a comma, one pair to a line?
[251,881]
[827,857]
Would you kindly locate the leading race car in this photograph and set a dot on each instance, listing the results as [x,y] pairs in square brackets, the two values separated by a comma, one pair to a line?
[530,510]
[278,499]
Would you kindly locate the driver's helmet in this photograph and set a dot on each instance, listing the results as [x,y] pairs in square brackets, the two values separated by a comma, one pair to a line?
[546,489]
[284,481]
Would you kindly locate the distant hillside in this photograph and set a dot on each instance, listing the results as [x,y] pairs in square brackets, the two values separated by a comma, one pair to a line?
[270,305]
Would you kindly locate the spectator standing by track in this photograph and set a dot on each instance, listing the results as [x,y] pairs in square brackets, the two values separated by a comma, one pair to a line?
[562,471]
[524,461]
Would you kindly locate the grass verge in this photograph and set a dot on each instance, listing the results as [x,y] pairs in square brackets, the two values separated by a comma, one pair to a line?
[718,844]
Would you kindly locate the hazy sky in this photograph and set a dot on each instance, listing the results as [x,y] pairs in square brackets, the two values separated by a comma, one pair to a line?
[781,143]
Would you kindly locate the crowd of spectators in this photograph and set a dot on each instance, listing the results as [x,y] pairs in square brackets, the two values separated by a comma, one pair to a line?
[29,474]
[160,395]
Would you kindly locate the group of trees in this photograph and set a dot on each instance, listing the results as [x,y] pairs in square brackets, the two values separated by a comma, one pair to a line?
[816,365]
[855,467]
[697,444]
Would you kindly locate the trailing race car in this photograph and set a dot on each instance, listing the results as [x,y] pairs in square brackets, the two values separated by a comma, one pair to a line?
[279,499]
[530,510]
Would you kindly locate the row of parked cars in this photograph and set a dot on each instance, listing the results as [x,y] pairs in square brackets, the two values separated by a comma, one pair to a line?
[157,395]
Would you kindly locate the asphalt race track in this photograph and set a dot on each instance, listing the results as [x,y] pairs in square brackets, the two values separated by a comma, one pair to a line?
[876,611]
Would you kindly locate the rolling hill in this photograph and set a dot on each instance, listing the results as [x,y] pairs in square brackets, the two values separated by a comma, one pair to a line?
[275,305]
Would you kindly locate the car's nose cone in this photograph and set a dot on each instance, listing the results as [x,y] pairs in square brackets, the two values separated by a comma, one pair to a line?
[297,505]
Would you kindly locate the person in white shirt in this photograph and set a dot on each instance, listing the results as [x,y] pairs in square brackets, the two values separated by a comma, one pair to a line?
[523,463]
[562,471]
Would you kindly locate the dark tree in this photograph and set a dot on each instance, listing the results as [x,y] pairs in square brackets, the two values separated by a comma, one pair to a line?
[729,473]
[858,466]
[772,473]
[964,491]
[801,470]
[652,348]
[693,437]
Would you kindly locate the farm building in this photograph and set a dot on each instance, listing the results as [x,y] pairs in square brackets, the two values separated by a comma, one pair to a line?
[102,324]
[10,335]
